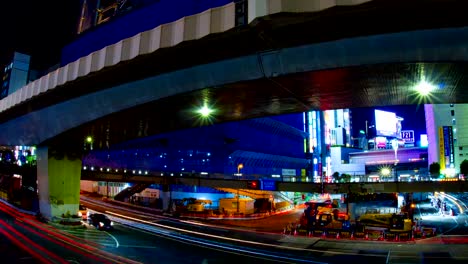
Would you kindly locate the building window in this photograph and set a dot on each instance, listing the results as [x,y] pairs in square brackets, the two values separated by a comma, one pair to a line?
[451,105]
[454,122]
[460,148]
[452,112]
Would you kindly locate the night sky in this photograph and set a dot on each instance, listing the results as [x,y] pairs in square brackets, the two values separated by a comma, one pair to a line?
[38,28]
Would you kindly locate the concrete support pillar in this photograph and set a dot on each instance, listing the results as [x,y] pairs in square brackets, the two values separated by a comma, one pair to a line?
[58,176]
[257,8]
[166,197]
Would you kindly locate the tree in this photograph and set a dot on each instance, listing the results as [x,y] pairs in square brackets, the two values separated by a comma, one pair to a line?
[434,169]
[464,167]
[336,176]
[345,177]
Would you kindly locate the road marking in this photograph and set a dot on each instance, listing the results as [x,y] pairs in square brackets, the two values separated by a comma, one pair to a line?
[116,241]
[138,246]
[99,237]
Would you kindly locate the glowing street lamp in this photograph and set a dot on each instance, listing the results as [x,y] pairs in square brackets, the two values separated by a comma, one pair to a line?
[424,88]
[205,114]
[89,141]
[385,172]
[205,111]
[239,167]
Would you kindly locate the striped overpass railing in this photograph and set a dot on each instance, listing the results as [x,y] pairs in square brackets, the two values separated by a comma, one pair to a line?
[211,21]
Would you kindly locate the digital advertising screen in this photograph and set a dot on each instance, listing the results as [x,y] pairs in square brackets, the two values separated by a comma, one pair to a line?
[386,124]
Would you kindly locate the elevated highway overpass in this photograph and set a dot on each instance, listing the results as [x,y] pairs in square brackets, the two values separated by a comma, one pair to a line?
[229,183]
[292,56]
[293,59]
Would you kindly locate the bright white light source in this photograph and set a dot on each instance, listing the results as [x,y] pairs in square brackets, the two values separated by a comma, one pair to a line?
[205,111]
[424,88]
[385,171]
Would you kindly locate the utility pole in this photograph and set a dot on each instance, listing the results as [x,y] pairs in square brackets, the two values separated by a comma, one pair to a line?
[367,132]
[237,200]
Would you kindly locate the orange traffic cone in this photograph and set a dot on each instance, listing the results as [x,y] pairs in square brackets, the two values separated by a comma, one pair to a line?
[323,234]
[295,231]
[310,234]
[397,238]
[381,237]
[337,235]
[367,236]
[352,235]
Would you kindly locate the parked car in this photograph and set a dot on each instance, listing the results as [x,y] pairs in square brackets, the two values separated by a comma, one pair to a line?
[83,212]
[100,221]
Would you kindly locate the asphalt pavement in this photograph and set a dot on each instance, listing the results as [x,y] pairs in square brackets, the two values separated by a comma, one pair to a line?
[267,232]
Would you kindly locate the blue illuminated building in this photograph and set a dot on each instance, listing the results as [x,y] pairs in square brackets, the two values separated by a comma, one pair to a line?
[264,146]
[15,74]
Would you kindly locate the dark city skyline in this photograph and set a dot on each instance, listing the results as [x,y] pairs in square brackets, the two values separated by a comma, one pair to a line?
[37,28]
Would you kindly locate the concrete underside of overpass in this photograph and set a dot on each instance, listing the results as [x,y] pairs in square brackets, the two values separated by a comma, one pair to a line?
[278,64]
[284,63]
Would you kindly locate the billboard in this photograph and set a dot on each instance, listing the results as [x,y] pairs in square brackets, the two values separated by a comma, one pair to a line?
[387,124]
[449,152]
[407,136]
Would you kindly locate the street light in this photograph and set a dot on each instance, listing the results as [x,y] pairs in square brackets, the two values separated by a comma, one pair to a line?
[89,141]
[385,171]
[205,111]
[239,167]
[395,148]
[206,114]
[424,88]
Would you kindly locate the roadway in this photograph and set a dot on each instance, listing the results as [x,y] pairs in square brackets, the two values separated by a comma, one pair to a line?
[126,243]
[151,247]
[140,237]
[13,254]
[302,248]
[37,242]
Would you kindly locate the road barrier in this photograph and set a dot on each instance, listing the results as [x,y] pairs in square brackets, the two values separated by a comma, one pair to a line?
[371,235]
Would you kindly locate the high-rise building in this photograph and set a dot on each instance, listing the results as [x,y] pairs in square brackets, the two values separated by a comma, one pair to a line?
[15,74]
[446,126]
[325,128]
[263,147]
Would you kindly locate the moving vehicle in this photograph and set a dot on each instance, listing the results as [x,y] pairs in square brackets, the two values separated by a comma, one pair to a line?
[83,212]
[100,221]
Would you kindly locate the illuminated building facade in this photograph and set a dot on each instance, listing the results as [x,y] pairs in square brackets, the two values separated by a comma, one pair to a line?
[325,129]
[448,142]
[262,147]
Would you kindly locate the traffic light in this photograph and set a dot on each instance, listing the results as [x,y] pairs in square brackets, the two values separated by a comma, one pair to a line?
[253,184]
